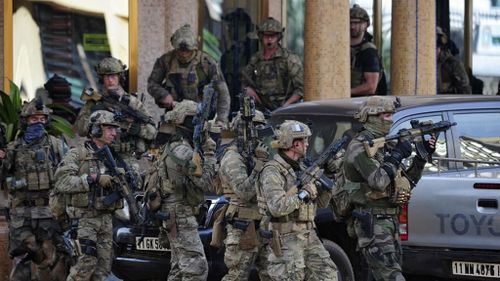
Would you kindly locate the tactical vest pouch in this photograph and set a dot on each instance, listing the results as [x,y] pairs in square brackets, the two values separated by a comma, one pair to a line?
[306,213]
[57,204]
[79,200]
[248,214]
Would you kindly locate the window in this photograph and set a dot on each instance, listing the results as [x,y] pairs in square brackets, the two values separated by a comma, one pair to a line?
[441,144]
[479,137]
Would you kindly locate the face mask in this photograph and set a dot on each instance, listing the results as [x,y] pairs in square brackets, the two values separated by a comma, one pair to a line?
[34,132]
[377,126]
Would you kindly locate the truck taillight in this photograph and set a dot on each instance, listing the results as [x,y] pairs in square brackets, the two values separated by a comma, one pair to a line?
[403,223]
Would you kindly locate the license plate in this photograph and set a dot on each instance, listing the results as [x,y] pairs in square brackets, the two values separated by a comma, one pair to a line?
[149,244]
[476,269]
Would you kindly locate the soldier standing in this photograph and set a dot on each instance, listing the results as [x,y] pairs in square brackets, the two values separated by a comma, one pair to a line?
[183,73]
[296,250]
[238,176]
[178,192]
[452,77]
[137,129]
[380,188]
[365,62]
[84,176]
[274,77]
[29,164]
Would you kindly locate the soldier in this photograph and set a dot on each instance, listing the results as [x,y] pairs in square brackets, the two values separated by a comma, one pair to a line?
[378,188]
[365,62]
[29,163]
[183,73]
[84,176]
[238,176]
[452,77]
[137,130]
[179,192]
[297,252]
[274,77]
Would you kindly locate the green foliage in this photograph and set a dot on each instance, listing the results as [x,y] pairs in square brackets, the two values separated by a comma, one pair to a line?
[10,109]
[211,45]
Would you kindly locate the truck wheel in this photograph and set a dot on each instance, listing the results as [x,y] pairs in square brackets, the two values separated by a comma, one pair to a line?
[341,260]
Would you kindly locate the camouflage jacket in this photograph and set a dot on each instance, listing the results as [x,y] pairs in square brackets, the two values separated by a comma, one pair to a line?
[275,80]
[359,168]
[452,77]
[137,142]
[30,170]
[186,81]
[85,199]
[277,186]
[178,183]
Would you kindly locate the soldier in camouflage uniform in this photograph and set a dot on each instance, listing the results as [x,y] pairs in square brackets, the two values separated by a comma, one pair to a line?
[85,178]
[29,164]
[178,192]
[378,189]
[183,73]
[296,252]
[135,135]
[244,246]
[452,77]
[274,77]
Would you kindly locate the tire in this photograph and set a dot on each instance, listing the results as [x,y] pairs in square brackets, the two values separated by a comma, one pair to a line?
[341,260]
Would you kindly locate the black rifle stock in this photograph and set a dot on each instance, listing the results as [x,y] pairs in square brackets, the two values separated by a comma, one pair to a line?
[200,122]
[415,135]
[123,188]
[312,173]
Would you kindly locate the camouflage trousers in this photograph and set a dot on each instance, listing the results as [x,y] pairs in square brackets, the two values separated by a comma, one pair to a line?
[240,261]
[188,261]
[89,267]
[304,258]
[382,249]
[34,245]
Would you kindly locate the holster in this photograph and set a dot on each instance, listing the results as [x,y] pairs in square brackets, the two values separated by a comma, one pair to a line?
[218,228]
[275,244]
[366,220]
[248,239]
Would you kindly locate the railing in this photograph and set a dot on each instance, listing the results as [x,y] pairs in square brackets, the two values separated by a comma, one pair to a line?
[469,161]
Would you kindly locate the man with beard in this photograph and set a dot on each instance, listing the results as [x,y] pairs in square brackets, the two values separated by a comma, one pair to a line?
[365,62]
[183,73]
[379,186]
[274,77]
[29,163]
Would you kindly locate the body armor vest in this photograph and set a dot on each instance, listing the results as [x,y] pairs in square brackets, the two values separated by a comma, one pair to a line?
[271,77]
[357,77]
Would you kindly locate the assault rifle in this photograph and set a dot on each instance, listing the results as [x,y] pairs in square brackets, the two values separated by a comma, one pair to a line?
[121,104]
[415,135]
[249,135]
[123,187]
[200,134]
[314,173]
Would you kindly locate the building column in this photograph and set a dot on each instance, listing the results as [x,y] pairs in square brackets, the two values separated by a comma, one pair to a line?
[326,50]
[413,47]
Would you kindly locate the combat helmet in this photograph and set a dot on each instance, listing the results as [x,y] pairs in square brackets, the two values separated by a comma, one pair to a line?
[110,66]
[441,37]
[270,25]
[184,38]
[289,131]
[356,12]
[374,105]
[98,119]
[35,107]
[258,119]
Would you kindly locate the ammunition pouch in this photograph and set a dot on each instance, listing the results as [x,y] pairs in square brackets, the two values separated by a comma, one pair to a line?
[365,228]
[276,243]
[307,212]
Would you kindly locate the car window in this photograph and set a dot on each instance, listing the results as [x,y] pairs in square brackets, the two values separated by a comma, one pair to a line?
[479,137]
[325,130]
[441,148]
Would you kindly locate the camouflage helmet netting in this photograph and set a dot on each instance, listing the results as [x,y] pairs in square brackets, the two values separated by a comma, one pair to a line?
[288,131]
[356,12]
[109,66]
[35,107]
[375,105]
[184,37]
[181,110]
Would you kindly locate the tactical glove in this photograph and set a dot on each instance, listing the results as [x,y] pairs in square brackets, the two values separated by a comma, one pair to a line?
[308,192]
[105,181]
[262,151]
[400,152]
[208,147]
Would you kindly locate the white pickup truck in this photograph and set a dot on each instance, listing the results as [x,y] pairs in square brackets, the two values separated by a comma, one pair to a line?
[451,228]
